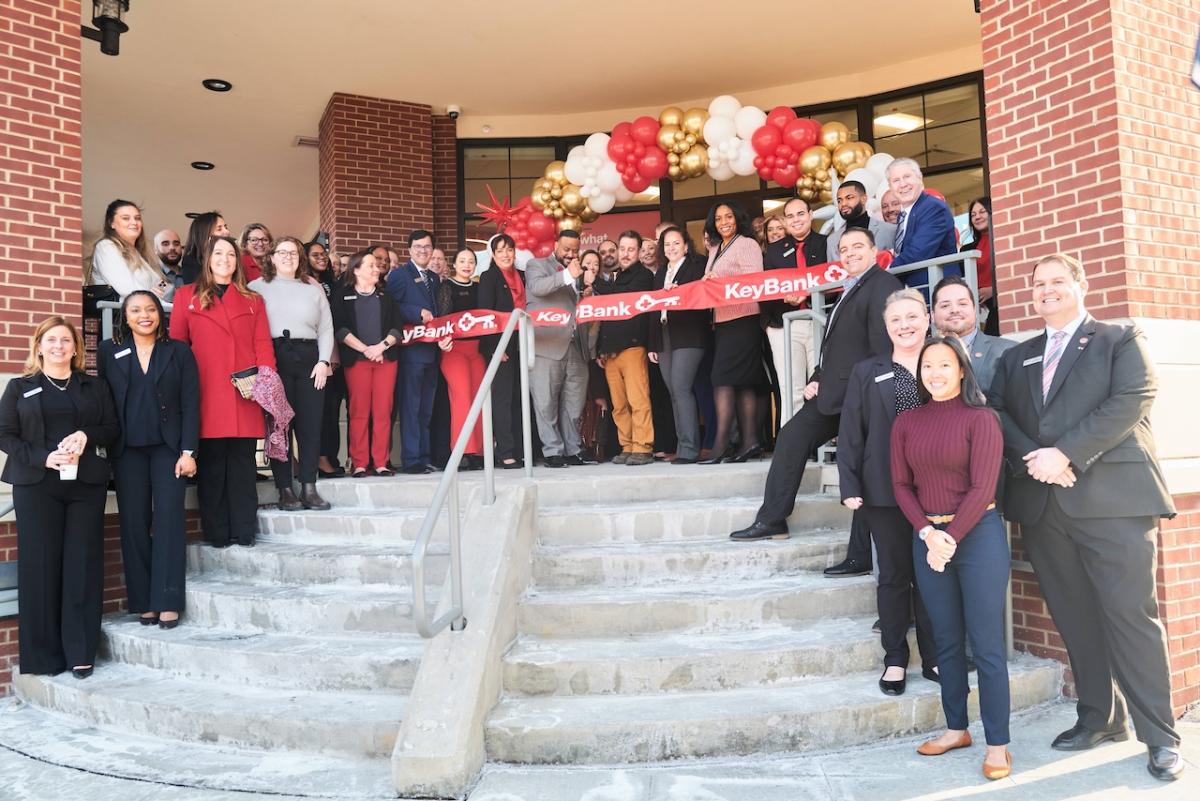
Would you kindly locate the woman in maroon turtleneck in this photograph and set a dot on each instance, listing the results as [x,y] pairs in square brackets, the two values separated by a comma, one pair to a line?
[945,461]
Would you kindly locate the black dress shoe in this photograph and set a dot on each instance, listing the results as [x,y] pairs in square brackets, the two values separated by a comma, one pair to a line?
[415,470]
[429,469]
[931,674]
[761,531]
[1081,738]
[555,461]
[312,499]
[580,459]
[148,621]
[847,568]
[516,464]
[82,672]
[1165,763]
[168,624]
[288,502]
[892,687]
[682,460]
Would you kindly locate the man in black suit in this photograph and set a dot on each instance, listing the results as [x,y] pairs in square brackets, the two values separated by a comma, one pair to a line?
[854,331]
[1085,485]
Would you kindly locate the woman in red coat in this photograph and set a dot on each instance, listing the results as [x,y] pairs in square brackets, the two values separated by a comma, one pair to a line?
[226,325]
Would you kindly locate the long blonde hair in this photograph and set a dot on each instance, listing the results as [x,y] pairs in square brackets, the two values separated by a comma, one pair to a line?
[33,364]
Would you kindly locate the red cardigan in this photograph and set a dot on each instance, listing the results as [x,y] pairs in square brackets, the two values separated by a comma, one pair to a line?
[230,335]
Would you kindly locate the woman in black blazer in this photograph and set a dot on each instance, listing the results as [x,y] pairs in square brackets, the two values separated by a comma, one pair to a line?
[367,326]
[502,288]
[156,392]
[679,339]
[880,389]
[56,422]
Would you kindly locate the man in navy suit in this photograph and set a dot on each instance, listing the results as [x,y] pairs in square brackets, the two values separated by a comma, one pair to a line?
[925,229]
[414,288]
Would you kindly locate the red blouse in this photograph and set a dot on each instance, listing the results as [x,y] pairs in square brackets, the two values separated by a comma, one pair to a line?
[515,285]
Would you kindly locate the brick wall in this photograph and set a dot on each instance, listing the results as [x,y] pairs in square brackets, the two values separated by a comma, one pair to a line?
[376,171]
[1179,597]
[445,183]
[40,169]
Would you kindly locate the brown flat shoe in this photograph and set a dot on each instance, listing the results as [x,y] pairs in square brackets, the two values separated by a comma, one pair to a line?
[991,772]
[933,748]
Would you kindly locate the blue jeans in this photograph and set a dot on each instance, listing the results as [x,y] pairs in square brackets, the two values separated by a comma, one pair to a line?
[969,596]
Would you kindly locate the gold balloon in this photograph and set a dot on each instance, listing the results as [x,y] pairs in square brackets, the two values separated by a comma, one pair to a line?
[666,136]
[556,193]
[822,176]
[815,159]
[673,158]
[559,214]
[671,115]
[537,198]
[571,200]
[694,162]
[825,197]
[587,215]
[570,223]
[834,134]
[675,172]
[851,156]
[693,121]
[554,172]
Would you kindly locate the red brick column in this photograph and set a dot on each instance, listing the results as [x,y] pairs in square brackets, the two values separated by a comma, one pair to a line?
[41,259]
[445,183]
[1093,151]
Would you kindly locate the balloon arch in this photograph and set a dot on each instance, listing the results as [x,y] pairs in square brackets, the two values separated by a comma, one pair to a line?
[725,140]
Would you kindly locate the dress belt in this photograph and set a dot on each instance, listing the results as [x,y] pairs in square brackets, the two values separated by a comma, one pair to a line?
[950,518]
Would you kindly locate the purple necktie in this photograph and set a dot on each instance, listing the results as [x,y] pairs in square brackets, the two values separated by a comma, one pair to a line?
[1052,360]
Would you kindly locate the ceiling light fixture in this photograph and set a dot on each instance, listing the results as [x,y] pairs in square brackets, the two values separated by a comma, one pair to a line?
[216,84]
[899,122]
[202,165]
[107,17]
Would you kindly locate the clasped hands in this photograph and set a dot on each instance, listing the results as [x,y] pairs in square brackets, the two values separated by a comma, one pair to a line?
[941,548]
[1050,466]
[68,451]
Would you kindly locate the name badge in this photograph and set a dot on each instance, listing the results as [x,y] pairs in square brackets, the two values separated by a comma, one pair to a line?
[32,392]
[879,379]
[121,354]
[789,251]
[1028,362]
[348,297]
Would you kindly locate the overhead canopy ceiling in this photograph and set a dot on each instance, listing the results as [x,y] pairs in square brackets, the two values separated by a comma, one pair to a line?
[146,116]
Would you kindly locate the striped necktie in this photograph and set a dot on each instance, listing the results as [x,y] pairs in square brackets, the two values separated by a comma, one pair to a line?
[900,232]
[1057,343]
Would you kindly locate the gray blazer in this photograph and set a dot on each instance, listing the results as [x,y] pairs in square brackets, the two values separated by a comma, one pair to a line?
[985,355]
[545,288]
[884,233]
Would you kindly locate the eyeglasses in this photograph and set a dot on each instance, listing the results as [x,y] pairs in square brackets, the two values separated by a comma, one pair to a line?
[286,254]
[257,240]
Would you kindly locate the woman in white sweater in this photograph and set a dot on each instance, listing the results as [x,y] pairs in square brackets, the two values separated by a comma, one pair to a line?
[122,258]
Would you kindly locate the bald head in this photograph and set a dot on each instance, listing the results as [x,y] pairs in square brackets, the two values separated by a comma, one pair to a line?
[169,247]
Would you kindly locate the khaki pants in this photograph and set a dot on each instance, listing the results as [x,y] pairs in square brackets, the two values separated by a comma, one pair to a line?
[804,359]
[629,384]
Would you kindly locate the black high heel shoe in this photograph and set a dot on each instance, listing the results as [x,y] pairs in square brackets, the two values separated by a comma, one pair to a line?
[753,452]
[148,621]
[717,458]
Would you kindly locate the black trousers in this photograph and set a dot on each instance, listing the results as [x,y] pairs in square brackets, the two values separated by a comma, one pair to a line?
[1097,576]
[153,536]
[439,424]
[896,593]
[60,572]
[506,410]
[228,494]
[331,416]
[295,360]
[804,432]
[859,546]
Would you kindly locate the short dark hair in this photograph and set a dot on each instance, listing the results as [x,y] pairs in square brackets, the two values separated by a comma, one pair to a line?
[630,234]
[950,280]
[567,233]
[796,199]
[502,239]
[864,231]
[971,394]
[421,233]
[687,242]
[862,190]
[741,219]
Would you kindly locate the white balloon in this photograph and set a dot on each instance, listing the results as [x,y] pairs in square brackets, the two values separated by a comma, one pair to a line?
[743,162]
[597,145]
[623,194]
[879,162]
[864,176]
[523,258]
[720,171]
[723,106]
[608,179]
[718,130]
[875,208]
[748,120]
[576,168]
[602,202]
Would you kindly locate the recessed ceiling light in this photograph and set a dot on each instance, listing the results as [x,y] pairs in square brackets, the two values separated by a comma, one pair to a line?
[202,165]
[216,84]
[191,215]
[899,122]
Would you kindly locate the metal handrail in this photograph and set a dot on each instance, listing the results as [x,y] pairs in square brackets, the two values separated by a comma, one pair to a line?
[520,323]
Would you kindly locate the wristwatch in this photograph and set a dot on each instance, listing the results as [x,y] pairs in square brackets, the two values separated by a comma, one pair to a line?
[188,453]
[925,532]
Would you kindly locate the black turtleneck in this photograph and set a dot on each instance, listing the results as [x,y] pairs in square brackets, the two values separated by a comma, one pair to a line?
[862,221]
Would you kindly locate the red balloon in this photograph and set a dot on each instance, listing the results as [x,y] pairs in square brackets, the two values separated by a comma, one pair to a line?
[639,149]
[884,259]
[780,116]
[766,173]
[644,130]
[621,129]
[787,176]
[780,162]
[541,228]
[619,145]
[766,139]
[937,194]
[544,249]
[654,164]
[519,241]
[637,183]
[801,134]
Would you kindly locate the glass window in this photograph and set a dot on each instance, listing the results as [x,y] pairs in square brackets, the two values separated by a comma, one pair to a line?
[900,116]
[956,104]
[953,143]
[940,127]
[485,162]
[960,187]
[707,187]
[529,162]
[847,117]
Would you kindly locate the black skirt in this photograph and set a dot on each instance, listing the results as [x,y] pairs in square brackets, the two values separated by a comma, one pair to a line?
[738,353]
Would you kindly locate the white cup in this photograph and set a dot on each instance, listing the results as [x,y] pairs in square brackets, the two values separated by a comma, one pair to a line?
[69,472]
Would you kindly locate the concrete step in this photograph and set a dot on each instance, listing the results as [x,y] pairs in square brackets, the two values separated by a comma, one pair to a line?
[767,656]
[227,603]
[347,525]
[642,564]
[159,765]
[295,563]
[267,659]
[397,492]
[708,518]
[817,714]
[660,481]
[150,702]
[709,606]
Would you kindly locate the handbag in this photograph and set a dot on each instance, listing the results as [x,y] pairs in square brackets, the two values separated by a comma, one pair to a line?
[243,381]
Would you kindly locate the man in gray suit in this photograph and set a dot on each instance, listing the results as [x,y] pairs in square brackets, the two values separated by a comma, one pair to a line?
[558,380]
[955,312]
[852,208]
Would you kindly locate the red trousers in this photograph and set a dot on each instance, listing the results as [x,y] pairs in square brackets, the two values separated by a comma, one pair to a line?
[371,387]
[463,368]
